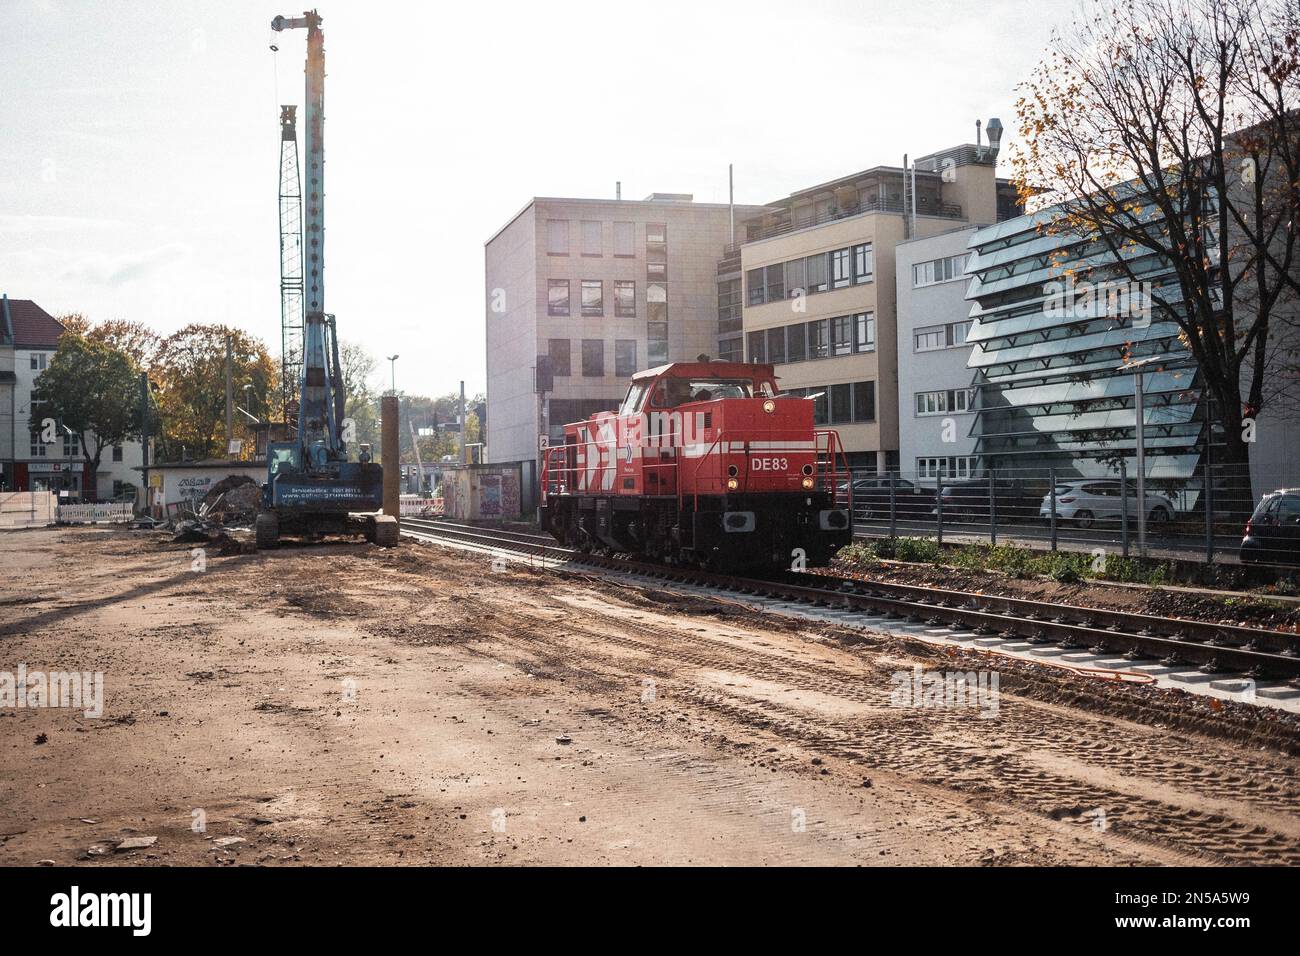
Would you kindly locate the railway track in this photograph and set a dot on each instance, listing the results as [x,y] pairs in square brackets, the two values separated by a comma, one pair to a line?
[1241,663]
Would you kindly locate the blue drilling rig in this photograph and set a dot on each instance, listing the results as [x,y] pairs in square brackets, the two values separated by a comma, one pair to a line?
[312,489]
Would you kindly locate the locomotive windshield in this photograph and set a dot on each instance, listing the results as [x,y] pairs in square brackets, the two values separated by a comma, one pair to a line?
[671,392]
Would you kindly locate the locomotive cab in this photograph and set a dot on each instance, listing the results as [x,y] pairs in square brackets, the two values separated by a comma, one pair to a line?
[704,463]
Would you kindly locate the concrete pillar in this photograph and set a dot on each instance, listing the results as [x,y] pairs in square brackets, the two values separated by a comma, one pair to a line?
[391,457]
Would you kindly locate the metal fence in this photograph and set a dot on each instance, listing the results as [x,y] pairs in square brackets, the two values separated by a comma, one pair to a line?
[1198,516]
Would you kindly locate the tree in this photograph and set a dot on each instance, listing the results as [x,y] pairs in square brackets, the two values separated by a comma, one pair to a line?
[92,389]
[191,368]
[358,367]
[136,339]
[1170,127]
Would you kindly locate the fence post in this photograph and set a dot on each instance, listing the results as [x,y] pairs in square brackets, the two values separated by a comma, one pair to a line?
[893,504]
[1051,477]
[993,514]
[1123,505]
[1208,492]
[938,509]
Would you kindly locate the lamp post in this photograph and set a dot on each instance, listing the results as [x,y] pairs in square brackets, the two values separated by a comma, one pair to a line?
[392,368]
[1139,411]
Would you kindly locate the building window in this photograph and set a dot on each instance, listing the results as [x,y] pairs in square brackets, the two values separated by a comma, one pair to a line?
[658,352]
[656,233]
[942,336]
[841,404]
[71,445]
[931,338]
[817,345]
[656,301]
[656,262]
[624,357]
[943,402]
[729,306]
[842,335]
[938,270]
[864,401]
[815,269]
[864,263]
[38,361]
[117,452]
[840,276]
[593,358]
[776,345]
[593,300]
[625,299]
[731,350]
[959,466]
[559,351]
[557,297]
[795,278]
[625,240]
[37,448]
[758,346]
[819,407]
[754,285]
[796,343]
[591,239]
[557,237]
[775,282]
[864,336]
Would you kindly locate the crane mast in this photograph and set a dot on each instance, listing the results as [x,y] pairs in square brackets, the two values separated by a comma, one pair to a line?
[291,317]
[321,401]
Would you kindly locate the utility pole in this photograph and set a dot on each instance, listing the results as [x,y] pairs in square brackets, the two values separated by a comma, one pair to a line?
[144,441]
[230,396]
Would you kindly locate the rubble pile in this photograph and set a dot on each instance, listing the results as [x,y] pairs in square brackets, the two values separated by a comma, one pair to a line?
[234,499]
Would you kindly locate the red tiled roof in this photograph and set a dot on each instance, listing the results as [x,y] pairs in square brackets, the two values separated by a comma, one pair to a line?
[33,326]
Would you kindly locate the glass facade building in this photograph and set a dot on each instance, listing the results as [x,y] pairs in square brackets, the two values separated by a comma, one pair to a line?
[1058,333]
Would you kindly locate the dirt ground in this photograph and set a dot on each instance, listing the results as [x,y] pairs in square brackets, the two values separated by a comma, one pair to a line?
[343,704]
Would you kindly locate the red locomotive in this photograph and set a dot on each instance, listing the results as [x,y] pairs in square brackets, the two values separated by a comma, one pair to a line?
[704,463]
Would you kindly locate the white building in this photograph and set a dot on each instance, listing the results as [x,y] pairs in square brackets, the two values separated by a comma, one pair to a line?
[29,337]
[935,398]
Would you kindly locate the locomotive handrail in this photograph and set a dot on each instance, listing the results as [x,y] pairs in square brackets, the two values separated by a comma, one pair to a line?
[828,457]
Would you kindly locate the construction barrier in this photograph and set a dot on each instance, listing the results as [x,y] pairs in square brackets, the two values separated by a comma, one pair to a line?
[108,511]
[415,506]
[27,509]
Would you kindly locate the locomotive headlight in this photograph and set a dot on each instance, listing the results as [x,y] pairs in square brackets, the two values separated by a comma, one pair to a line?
[732,484]
[732,471]
[769,406]
[807,470]
[808,483]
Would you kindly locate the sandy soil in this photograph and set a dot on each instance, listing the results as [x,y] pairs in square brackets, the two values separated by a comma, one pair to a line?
[347,704]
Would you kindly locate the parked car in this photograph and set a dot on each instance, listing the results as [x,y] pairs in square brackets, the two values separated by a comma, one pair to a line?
[871,498]
[1088,501]
[1273,532]
[969,500]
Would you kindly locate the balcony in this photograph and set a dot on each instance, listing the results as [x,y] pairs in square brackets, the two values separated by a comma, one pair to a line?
[945,210]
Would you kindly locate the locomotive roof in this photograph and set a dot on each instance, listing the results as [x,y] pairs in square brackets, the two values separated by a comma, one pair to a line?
[710,369]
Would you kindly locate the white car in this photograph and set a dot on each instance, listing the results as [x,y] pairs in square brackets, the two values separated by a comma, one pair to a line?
[1087,501]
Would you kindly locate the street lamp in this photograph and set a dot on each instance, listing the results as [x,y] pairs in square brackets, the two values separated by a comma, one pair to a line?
[1136,366]
[392,367]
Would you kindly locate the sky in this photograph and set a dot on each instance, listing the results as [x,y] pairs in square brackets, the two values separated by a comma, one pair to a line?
[139,141]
